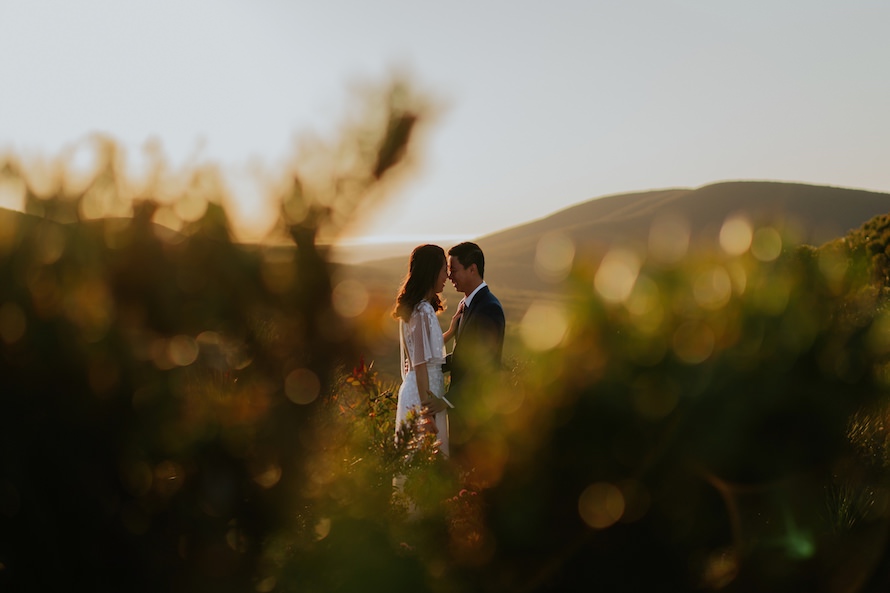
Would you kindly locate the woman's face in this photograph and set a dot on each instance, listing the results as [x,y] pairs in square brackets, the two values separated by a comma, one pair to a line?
[440,280]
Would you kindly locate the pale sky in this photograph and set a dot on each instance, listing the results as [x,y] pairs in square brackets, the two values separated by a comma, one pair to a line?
[545,103]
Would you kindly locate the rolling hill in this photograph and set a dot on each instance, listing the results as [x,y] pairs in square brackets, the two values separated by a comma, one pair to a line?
[816,214]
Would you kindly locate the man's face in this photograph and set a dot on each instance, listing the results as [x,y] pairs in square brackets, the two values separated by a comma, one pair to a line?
[458,273]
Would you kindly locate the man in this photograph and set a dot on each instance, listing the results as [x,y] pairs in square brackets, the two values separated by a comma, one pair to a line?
[479,338]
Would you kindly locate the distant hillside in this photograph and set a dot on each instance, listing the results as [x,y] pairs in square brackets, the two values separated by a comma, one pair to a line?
[821,213]
[818,213]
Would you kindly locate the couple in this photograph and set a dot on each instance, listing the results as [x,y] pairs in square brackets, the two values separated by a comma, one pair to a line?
[477,328]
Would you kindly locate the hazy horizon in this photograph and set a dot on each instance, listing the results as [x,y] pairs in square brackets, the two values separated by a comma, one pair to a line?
[359,250]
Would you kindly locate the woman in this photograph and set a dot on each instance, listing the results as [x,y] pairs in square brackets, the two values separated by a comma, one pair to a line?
[422,343]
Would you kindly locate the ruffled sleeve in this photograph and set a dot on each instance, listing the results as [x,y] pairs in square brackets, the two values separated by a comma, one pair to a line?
[423,336]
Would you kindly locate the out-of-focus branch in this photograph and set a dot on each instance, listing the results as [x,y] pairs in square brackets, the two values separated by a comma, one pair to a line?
[331,194]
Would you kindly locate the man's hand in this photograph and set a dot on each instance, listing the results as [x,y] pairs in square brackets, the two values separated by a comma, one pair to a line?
[435,406]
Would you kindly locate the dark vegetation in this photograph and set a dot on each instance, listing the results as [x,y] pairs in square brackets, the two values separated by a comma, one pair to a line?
[179,412]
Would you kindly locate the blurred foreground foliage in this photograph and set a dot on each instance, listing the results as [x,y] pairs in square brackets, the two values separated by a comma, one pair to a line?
[179,412]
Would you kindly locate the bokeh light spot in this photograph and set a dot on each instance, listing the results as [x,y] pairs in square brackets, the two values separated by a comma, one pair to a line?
[322,528]
[182,350]
[222,351]
[91,306]
[81,166]
[190,207]
[601,505]
[44,176]
[236,539]
[264,468]
[767,244]
[736,235]
[544,326]
[553,256]
[159,353]
[800,545]
[350,298]
[713,288]
[302,386]
[166,217]
[12,193]
[739,276]
[98,201]
[720,569]
[644,298]
[617,275]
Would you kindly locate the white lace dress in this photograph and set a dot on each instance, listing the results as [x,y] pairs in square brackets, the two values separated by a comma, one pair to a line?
[421,342]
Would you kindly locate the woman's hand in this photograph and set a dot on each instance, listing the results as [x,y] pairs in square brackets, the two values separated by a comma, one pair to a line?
[452,329]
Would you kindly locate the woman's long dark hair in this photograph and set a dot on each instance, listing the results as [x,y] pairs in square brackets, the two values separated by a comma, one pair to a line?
[423,271]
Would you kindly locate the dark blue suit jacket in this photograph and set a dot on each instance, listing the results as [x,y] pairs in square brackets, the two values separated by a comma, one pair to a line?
[480,343]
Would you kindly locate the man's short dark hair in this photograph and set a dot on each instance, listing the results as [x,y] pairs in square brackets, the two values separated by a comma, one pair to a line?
[468,254]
